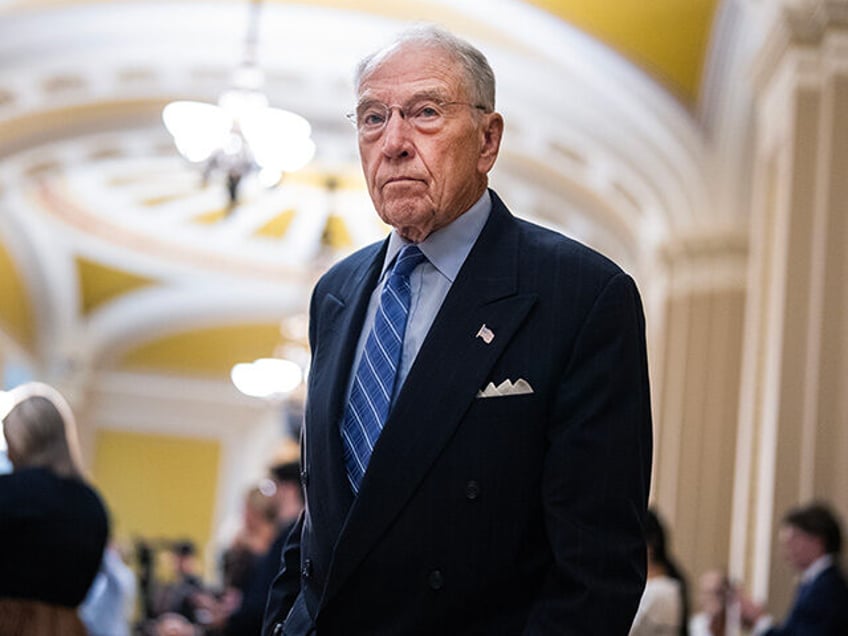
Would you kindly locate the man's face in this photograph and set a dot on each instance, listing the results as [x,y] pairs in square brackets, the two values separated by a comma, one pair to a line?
[799,548]
[418,180]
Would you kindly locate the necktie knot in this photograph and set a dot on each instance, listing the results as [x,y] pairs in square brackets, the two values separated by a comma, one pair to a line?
[407,260]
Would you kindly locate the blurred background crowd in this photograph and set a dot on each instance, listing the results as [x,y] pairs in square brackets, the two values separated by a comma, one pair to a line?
[60,573]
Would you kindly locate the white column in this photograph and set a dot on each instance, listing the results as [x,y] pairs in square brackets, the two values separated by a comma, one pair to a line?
[792,415]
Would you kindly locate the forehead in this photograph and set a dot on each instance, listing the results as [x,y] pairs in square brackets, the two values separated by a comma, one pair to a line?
[796,536]
[410,69]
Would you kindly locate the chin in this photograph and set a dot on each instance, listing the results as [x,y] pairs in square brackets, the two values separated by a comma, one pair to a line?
[406,215]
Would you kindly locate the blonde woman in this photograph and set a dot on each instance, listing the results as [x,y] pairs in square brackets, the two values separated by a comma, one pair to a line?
[53,525]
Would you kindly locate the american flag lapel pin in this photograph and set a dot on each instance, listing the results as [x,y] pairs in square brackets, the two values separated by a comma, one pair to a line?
[486,334]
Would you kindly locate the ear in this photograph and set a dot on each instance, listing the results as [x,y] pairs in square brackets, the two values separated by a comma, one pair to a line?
[491,132]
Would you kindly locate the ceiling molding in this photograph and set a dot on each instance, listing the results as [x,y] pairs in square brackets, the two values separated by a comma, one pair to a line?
[593,146]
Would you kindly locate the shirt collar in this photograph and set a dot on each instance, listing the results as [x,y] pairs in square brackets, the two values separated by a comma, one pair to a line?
[447,247]
[816,567]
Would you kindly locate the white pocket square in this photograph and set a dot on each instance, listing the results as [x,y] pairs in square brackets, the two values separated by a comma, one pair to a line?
[507,387]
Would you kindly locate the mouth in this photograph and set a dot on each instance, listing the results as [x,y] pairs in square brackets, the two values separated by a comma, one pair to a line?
[401,180]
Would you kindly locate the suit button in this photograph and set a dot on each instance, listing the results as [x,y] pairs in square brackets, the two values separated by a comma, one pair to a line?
[304,478]
[435,580]
[472,490]
[306,570]
[278,630]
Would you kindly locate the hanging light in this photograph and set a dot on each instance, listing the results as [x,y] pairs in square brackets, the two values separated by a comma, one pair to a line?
[267,377]
[280,375]
[241,134]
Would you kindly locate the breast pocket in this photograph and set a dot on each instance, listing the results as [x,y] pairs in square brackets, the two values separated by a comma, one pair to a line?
[506,407]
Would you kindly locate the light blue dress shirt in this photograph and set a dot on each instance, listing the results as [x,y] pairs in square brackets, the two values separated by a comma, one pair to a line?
[446,250]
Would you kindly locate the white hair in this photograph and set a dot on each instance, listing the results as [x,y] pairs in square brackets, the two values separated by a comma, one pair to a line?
[479,77]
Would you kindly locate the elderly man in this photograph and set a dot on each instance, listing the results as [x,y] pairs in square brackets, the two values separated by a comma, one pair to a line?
[477,437]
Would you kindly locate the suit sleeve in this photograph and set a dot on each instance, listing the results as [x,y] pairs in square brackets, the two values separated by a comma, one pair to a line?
[286,585]
[597,473]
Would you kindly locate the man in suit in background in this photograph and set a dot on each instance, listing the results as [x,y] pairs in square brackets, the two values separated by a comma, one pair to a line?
[247,619]
[812,541]
[476,446]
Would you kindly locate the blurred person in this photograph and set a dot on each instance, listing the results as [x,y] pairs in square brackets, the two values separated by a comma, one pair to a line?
[53,524]
[253,539]
[811,540]
[180,596]
[718,607]
[664,606]
[483,469]
[110,602]
[173,624]
[233,616]
[288,494]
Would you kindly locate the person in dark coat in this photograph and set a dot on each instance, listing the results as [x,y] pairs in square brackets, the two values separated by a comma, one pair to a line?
[53,524]
[477,432]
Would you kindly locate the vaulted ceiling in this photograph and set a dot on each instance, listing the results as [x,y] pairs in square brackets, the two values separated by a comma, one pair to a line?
[113,255]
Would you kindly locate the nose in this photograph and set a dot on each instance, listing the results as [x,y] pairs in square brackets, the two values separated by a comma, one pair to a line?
[397,140]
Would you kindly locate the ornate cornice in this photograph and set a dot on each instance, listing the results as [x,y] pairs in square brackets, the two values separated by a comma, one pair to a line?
[798,24]
[809,21]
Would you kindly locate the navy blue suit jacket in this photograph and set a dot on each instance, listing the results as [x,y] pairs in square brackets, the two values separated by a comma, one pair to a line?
[505,515]
[820,608]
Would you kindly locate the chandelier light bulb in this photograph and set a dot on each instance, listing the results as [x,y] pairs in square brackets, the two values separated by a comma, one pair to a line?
[266,377]
[198,129]
[241,135]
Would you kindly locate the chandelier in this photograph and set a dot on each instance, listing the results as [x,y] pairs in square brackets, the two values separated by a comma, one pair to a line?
[241,135]
[277,377]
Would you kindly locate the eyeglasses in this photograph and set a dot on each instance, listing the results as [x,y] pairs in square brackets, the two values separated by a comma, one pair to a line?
[426,115]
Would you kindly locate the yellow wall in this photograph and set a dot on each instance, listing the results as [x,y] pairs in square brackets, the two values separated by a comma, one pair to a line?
[157,486]
[16,316]
[210,351]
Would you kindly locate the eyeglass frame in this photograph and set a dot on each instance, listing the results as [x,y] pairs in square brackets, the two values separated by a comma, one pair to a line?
[354,116]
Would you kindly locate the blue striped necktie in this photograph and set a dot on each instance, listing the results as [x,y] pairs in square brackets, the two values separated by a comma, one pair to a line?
[374,382]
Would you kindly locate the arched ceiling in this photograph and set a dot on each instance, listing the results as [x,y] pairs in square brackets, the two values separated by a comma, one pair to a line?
[112,256]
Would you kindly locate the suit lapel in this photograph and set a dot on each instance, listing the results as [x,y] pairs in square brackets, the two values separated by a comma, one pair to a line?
[452,365]
[342,314]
